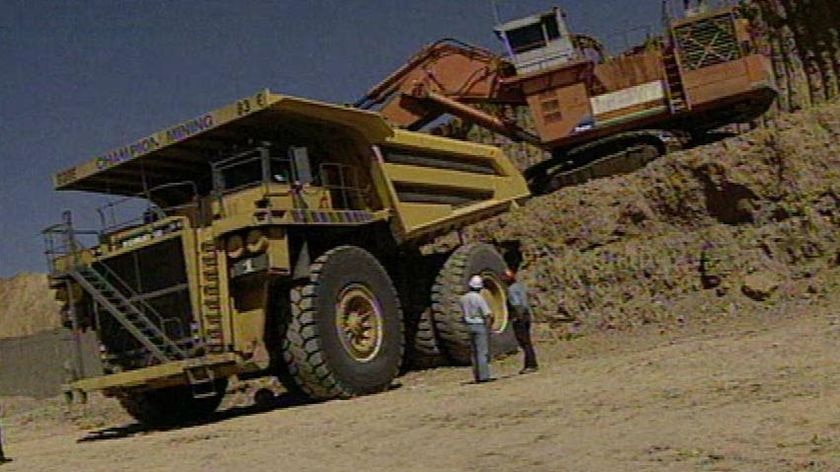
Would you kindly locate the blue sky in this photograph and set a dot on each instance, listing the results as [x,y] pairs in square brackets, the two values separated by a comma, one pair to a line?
[79,78]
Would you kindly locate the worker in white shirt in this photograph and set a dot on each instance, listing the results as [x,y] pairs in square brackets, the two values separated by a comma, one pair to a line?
[478,318]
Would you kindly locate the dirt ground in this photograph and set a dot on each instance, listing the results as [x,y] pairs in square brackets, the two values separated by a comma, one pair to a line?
[758,391]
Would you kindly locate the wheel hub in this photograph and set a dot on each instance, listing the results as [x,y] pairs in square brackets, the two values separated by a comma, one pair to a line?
[359,322]
[496,296]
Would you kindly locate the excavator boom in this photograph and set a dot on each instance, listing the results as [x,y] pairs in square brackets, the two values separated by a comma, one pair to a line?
[447,68]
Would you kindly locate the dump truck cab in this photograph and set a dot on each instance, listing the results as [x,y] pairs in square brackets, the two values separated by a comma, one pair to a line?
[269,237]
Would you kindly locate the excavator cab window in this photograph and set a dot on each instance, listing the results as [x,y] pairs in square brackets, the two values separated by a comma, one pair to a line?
[539,41]
[534,36]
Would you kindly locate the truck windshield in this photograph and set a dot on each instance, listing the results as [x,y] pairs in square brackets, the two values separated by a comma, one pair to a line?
[253,167]
[242,174]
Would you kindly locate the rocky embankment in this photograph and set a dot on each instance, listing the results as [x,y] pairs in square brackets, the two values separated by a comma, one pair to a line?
[803,38]
[699,233]
[27,306]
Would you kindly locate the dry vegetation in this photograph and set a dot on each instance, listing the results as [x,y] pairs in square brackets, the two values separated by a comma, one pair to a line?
[803,38]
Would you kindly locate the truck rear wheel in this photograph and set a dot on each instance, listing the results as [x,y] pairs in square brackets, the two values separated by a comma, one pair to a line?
[170,406]
[345,333]
[451,284]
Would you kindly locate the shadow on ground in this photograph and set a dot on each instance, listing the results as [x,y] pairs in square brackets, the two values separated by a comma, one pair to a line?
[264,402]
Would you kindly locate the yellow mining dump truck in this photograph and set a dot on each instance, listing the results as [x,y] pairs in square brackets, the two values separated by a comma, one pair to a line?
[275,236]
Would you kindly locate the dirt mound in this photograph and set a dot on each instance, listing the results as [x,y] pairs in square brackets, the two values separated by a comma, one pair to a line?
[697,227]
[27,306]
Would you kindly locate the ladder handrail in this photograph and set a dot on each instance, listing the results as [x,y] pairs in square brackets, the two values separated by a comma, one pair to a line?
[122,301]
[671,53]
[69,246]
[73,247]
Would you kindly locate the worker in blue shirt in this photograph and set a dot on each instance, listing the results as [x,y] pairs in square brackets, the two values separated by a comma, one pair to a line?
[520,313]
[478,318]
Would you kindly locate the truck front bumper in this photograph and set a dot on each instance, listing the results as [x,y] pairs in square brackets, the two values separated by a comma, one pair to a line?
[170,374]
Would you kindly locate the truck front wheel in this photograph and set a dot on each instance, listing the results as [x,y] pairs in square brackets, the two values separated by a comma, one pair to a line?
[345,333]
[170,406]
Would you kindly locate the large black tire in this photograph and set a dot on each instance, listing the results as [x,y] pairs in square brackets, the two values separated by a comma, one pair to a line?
[317,355]
[277,327]
[170,406]
[451,284]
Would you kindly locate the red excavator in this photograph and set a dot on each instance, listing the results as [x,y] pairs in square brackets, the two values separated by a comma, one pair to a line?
[592,114]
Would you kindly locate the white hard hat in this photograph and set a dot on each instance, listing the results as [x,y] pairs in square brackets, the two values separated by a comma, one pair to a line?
[476,282]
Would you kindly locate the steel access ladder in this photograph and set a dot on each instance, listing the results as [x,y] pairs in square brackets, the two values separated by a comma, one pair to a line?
[122,302]
[209,279]
[677,99]
[134,319]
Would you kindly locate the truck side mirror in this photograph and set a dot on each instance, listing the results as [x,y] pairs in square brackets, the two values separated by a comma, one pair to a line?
[299,156]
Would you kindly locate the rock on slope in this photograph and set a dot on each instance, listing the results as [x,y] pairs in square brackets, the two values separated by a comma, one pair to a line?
[696,233]
[27,306]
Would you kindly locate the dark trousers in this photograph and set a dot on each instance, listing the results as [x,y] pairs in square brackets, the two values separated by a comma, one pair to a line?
[522,330]
[2,457]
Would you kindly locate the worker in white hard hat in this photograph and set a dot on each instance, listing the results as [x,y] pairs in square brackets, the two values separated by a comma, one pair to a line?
[478,318]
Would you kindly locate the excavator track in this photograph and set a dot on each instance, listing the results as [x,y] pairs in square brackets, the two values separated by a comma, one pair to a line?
[614,155]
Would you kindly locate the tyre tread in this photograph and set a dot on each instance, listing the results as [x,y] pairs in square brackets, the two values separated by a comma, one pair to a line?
[302,350]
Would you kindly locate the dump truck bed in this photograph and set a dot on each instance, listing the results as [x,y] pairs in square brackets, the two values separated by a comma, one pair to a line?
[431,184]
[185,149]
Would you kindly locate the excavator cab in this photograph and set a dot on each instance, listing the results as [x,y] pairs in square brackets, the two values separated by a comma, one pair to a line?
[538,42]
